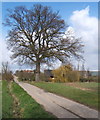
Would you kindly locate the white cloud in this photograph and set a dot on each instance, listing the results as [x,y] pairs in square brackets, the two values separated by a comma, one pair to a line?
[5,55]
[86,26]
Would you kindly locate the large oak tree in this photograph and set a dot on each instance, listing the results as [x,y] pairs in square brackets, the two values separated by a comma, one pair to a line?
[36,36]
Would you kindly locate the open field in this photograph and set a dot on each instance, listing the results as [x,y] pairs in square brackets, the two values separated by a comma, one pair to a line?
[20,104]
[89,86]
[86,97]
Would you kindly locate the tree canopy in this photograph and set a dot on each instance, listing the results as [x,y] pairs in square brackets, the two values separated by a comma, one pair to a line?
[36,35]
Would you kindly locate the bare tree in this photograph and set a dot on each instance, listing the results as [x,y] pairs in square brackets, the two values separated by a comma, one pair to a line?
[36,36]
[5,67]
[6,72]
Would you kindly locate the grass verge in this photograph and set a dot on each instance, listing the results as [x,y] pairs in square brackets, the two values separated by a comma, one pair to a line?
[29,108]
[7,101]
[16,100]
[88,98]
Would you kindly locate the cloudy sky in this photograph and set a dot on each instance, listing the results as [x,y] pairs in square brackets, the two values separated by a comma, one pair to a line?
[82,17]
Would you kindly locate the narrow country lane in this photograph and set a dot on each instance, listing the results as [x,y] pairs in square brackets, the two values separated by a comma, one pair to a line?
[57,105]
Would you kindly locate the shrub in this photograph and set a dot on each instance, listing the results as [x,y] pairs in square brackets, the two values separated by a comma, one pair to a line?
[44,77]
[65,74]
[7,76]
[89,79]
[25,76]
[73,76]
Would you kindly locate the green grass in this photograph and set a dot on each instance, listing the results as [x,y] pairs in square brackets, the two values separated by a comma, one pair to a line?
[92,85]
[29,108]
[7,101]
[88,98]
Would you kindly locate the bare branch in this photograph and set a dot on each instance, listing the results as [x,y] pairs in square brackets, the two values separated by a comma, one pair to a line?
[36,35]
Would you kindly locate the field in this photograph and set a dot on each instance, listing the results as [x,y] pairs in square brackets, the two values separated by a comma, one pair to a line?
[85,93]
[18,104]
[92,86]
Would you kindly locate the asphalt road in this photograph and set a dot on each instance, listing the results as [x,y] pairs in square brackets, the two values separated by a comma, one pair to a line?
[57,105]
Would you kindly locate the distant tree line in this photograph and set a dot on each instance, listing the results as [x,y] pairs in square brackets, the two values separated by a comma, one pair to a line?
[25,76]
[65,73]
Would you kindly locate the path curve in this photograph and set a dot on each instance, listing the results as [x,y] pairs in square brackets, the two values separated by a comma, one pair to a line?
[57,105]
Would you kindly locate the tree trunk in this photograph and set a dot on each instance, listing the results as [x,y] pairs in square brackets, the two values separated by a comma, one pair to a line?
[37,73]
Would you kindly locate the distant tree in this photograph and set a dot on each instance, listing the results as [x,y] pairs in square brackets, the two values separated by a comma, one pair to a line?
[36,36]
[83,71]
[88,75]
[6,72]
[5,67]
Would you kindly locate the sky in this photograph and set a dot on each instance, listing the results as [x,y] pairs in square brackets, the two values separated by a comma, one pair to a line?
[82,19]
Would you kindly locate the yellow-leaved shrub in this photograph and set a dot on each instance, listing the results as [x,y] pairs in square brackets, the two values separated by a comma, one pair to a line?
[65,73]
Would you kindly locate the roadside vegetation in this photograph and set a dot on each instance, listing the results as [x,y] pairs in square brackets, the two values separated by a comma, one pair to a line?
[85,97]
[7,101]
[28,106]
[18,104]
